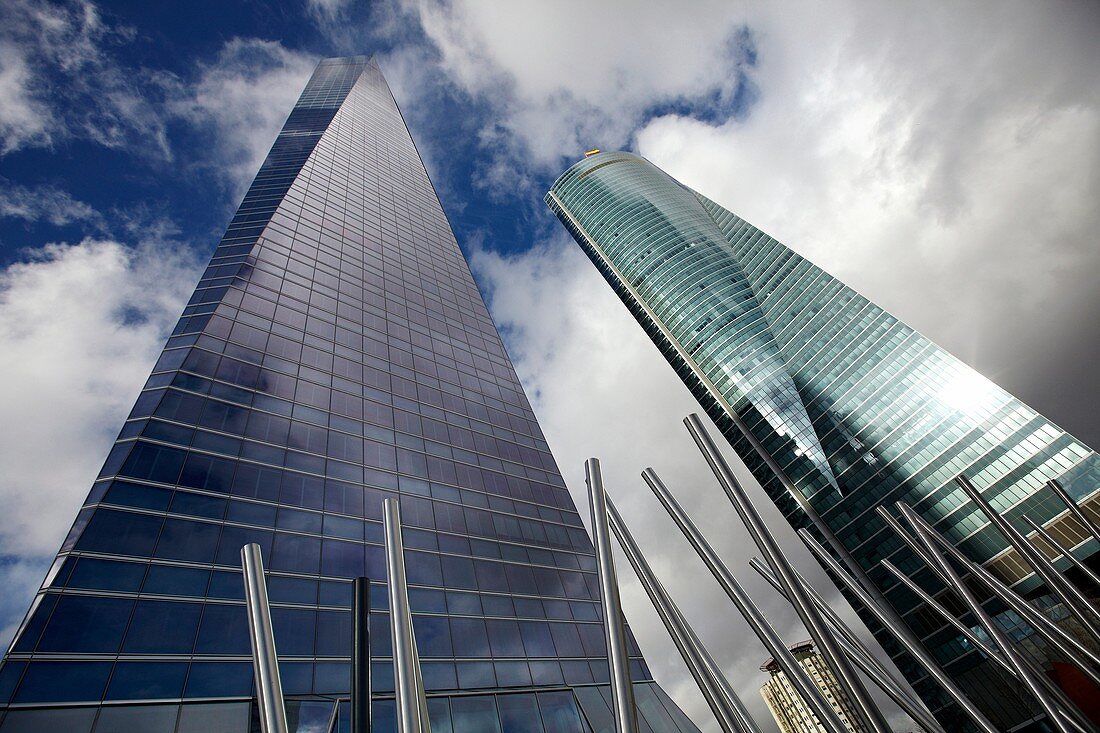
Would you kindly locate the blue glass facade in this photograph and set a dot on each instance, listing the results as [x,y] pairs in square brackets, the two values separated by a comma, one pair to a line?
[336,352]
[856,408]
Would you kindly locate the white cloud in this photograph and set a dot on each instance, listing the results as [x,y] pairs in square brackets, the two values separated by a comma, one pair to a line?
[81,326]
[560,78]
[241,100]
[63,77]
[943,163]
[23,119]
[59,79]
[45,203]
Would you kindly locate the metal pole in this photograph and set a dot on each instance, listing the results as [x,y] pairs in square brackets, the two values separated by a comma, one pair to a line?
[810,692]
[265,660]
[1075,509]
[1068,552]
[1072,714]
[1085,659]
[720,696]
[360,657]
[838,663]
[999,637]
[860,655]
[904,635]
[408,684]
[626,714]
[1062,589]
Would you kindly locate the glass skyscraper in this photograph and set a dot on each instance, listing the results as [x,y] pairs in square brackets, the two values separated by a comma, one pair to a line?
[835,405]
[336,352]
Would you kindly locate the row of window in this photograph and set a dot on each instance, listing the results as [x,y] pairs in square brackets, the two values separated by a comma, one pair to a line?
[164,465]
[288,518]
[341,493]
[545,711]
[297,430]
[156,579]
[87,681]
[133,534]
[86,624]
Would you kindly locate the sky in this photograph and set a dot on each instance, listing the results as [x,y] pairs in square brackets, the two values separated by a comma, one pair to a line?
[943,159]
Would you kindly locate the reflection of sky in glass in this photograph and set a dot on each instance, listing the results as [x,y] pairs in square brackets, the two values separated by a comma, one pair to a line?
[858,409]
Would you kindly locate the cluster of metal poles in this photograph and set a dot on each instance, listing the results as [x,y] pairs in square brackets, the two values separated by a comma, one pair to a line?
[843,652]
[841,649]
[412,703]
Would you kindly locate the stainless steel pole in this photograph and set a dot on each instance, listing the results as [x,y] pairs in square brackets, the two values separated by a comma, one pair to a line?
[999,637]
[360,657]
[861,656]
[1073,716]
[810,692]
[265,660]
[408,684]
[730,712]
[838,663]
[1068,552]
[1071,597]
[626,714]
[1076,652]
[1075,509]
[904,635]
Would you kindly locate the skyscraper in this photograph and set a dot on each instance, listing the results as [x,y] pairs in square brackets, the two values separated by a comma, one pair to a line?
[787,708]
[835,405]
[336,352]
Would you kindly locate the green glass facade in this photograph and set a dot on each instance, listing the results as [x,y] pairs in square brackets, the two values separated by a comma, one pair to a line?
[854,406]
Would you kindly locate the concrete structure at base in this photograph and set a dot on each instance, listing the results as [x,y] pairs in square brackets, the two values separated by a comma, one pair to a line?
[786,705]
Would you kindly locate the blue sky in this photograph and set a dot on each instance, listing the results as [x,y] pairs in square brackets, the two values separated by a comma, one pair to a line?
[126,131]
[943,160]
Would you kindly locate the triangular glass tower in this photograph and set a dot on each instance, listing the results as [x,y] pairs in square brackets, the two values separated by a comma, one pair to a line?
[835,405]
[336,352]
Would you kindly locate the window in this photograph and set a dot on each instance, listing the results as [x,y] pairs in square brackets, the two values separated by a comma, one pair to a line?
[423,568]
[334,634]
[234,538]
[295,553]
[63,681]
[504,638]
[86,624]
[228,717]
[182,539]
[131,718]
[162,627]
[106,575]
[122,533]
[147,680]
[475,713]
[153,462]
[173,581]
[537,641]
[219,679]
[224,630]
[559,712]
[519,714]
[513,674]
[294,631]
[475,675]
[70,720]
[433,636]
[470,637]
